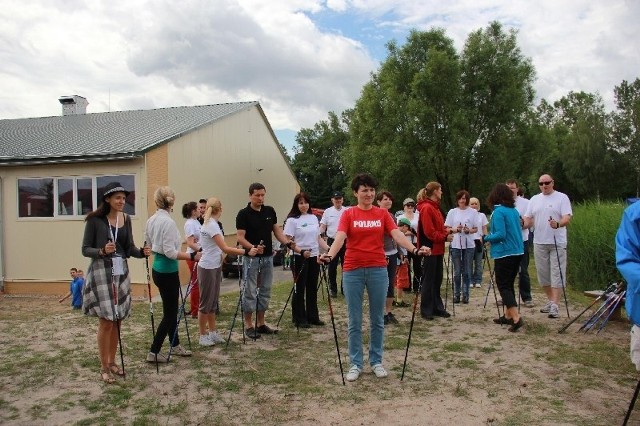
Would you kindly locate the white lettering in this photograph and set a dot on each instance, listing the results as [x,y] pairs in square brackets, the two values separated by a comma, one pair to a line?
[367,223]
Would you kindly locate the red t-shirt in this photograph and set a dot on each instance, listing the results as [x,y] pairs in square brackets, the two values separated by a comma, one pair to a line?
[365,230]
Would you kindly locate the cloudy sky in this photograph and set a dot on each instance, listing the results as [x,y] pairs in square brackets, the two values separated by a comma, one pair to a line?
[299,58]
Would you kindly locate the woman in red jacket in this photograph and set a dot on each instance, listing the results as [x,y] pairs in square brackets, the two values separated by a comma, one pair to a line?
[432,233]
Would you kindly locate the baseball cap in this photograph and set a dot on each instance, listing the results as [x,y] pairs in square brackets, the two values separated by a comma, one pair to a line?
[337,194]
[407,201]
[404,221]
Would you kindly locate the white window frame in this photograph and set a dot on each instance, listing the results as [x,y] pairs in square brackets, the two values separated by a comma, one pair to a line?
[77,215]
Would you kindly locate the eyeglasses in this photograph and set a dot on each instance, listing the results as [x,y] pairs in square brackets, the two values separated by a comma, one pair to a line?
[545,183]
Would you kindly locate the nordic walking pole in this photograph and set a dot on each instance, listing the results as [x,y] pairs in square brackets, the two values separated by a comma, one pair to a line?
[446,287]
[564,292]
[608,290]
[492,283]
[413,318]
[631,404]
[613,309]
[153,326]
[242,280]
[333,321]
[294,290]
[258,283]
[596,315]
[114,288]
[181,315]
[184,300]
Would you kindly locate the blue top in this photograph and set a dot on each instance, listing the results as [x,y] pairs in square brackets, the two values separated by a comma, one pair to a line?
[76,292]
[505,233]
[628,259]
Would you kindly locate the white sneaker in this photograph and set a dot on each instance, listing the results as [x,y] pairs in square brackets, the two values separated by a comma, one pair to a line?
[379,371]
[353,374]
[205,340]
[215,337]
[162,359]
[478,285]
[553,311]
[545,309]
[180,351]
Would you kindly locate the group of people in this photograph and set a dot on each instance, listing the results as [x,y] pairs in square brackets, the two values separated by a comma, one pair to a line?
[365,239]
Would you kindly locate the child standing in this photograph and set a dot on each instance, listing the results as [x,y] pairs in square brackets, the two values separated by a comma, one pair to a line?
[75,289]
[402,273]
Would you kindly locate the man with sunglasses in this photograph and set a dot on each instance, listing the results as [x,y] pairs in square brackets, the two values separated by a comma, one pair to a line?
[549,213]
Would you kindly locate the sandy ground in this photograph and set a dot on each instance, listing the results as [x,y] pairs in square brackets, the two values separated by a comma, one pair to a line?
[464,370]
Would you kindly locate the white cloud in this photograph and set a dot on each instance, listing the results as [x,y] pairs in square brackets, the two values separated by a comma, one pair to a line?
[140,54]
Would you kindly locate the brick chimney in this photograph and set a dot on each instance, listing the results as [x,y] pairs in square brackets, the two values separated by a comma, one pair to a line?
[73,105]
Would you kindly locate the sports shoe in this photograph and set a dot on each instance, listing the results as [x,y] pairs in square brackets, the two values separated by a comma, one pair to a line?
[545,309]
[162,359]
[205,340]
[215,337]
[353,374]
[379,371]
[251,333]
[529,303]
[265,329]
[553,311]
[478,285]
[179,350]
[392,318]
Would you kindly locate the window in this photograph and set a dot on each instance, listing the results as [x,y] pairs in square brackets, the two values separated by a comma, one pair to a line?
[35,197]
[68,197]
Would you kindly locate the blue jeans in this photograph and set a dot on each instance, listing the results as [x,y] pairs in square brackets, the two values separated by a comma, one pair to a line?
[376,281]
[250,266]
[462,264]
[477,267]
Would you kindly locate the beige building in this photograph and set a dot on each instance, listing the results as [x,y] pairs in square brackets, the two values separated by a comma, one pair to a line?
[53,169]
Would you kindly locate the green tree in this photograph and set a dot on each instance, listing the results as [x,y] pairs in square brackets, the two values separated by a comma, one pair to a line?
[317,159]
[497,94]
[430,114]
[627,125]
[581,123]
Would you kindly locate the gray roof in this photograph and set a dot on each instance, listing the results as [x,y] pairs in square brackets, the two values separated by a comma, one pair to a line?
[102,136]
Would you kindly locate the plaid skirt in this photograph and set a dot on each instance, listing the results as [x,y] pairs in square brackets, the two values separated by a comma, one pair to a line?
[97,294]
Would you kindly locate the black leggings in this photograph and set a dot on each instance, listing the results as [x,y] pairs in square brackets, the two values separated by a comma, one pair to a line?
[305,309]
[506,269]
[169,286]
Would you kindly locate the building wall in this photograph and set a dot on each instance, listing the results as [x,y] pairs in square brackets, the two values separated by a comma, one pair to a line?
[221,159]
[38,252]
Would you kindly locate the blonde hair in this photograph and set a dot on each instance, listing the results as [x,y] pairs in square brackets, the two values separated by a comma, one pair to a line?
[474,200]
[164,197]
[421,195]
[214,206]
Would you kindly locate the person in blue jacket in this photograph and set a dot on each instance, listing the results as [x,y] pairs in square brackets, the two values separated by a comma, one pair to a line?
[628,262]
[507,249]
[75,289]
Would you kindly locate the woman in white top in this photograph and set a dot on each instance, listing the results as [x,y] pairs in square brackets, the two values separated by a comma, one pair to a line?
[210,270]
[476,275]
[162,232]
[191,212]
[463,221]
[303,228]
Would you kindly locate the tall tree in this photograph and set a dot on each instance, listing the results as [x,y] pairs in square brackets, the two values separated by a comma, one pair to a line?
[627,124]
[497,93]
[582,122]
[317,160]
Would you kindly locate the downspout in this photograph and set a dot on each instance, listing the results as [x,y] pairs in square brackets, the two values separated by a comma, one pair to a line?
[1,238]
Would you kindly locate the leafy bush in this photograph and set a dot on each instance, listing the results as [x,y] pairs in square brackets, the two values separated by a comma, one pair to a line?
[592,232]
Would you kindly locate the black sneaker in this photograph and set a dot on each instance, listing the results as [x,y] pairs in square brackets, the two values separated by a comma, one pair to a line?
[318,322]
[516,325]
[386,319]
[443,314]
[503,320]
[251,333]
[427,317]
[333,294]
[265,329]
[303,325]
[465,300]
[392,318]
[456,299]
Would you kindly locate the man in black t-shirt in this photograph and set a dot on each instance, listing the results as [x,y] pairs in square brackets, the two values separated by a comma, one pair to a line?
[255,224]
